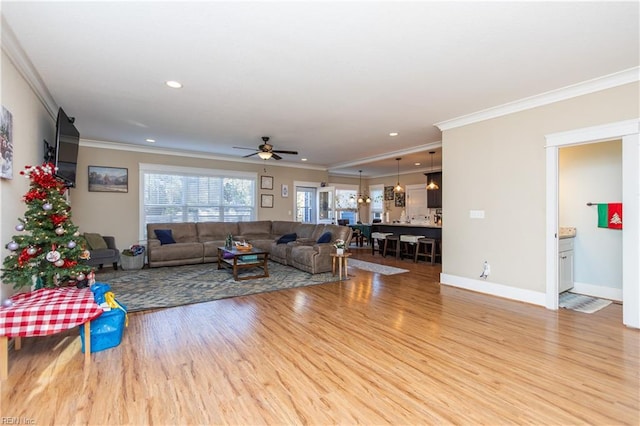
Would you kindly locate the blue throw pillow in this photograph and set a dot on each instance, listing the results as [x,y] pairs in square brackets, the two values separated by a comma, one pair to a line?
[287,238]
[324,238]
[164,235]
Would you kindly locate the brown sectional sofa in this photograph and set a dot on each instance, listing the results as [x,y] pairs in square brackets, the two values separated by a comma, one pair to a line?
[199,242]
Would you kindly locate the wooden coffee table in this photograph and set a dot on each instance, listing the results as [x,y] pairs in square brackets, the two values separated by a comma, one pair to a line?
[243,259]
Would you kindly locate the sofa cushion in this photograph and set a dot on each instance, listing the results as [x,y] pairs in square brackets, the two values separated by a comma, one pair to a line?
[165,236]
[95,241]
[287,238]
[208,231]
[280,227]
[324,238]
[261,227]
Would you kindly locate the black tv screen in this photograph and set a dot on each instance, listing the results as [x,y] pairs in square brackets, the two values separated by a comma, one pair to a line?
[67,143]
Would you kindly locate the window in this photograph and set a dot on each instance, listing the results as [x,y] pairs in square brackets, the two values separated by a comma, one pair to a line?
[346,205]
[377,201]
[305,204]
[182,194]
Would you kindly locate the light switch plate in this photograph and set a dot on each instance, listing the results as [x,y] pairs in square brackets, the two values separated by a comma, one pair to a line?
[476,214]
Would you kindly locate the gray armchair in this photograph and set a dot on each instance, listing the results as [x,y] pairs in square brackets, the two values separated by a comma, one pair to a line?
[100,256]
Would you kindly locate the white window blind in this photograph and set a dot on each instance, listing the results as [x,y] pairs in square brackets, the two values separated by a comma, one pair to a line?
[182,194]
[377,202]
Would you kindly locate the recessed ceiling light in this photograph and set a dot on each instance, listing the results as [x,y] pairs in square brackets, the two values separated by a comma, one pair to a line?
[174,84]
[393,134]
[150,140]
[416,164]
[303,159]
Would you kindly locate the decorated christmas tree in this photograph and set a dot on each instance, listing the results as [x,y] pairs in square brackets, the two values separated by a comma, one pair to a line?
[48,248]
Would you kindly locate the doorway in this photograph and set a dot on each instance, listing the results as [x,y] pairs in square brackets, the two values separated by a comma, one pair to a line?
[588,175]
[305,204]
[629,132]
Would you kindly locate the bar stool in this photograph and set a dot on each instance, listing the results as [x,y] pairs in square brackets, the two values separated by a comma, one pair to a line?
[391,244]
[438,250]
[408,245]
[378,237]
[426,249]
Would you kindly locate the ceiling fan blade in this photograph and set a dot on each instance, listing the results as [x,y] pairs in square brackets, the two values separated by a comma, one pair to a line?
[249,155]
[242,147]
[286,152]
[276,156]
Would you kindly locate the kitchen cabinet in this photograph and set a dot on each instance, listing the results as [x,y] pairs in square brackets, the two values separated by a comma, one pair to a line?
[565,264]
[434,197]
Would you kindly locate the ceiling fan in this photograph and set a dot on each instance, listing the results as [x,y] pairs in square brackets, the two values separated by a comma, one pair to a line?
[266,151]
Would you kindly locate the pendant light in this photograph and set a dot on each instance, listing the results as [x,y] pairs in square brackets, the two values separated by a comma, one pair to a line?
[362,197]
[432,186]
[398,188]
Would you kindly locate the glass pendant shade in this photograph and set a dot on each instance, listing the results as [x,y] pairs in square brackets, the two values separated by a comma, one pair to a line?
[264,155]
[432,186]
[398,188]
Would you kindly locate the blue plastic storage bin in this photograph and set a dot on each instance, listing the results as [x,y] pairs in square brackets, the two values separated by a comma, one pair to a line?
[106,330]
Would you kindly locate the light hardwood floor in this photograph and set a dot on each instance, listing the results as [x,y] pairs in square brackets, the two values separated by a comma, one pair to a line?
[371,350]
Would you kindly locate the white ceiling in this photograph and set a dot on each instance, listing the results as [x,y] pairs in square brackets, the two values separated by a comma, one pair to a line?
[328,79]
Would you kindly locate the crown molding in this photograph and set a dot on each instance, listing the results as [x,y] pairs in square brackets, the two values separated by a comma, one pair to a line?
[584,88]
[12,48]
[385,156]
[190,154]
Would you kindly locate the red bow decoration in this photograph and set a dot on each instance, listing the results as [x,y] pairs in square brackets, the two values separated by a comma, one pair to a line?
[69,263]
[24,256]
[35,195]
[58,219]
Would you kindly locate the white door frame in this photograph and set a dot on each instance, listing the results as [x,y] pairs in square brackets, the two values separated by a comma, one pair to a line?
[629,132]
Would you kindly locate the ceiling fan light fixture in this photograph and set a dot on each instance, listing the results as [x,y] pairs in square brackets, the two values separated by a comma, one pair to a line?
[265,155]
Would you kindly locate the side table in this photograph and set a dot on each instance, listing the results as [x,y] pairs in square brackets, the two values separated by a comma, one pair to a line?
[342,264]
[44,312]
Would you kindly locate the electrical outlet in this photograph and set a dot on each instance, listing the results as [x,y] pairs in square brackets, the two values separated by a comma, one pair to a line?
[486,270]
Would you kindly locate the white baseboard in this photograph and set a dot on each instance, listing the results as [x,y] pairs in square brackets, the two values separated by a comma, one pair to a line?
[500,290]
[598,291]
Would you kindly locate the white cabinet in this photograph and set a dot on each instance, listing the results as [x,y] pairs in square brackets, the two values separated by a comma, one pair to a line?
[565,264]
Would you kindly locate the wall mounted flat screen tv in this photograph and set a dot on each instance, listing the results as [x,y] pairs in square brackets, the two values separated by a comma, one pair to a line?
[67,143]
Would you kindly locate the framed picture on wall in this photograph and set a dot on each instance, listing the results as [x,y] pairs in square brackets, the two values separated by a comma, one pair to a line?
[399,199]
[6,144]
[266,182]
[108,179]
[388,193]
[266,201]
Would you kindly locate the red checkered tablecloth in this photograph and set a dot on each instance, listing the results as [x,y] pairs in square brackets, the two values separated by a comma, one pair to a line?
[48,311]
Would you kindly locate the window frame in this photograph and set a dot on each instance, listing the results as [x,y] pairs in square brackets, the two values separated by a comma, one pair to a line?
[147,168]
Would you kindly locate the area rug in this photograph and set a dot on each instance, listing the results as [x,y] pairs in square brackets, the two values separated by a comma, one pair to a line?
[374,267]
[182,285]
[582,303]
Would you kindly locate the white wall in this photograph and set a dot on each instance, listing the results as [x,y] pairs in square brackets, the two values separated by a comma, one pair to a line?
[592,173]
[32,123]
[499,165]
